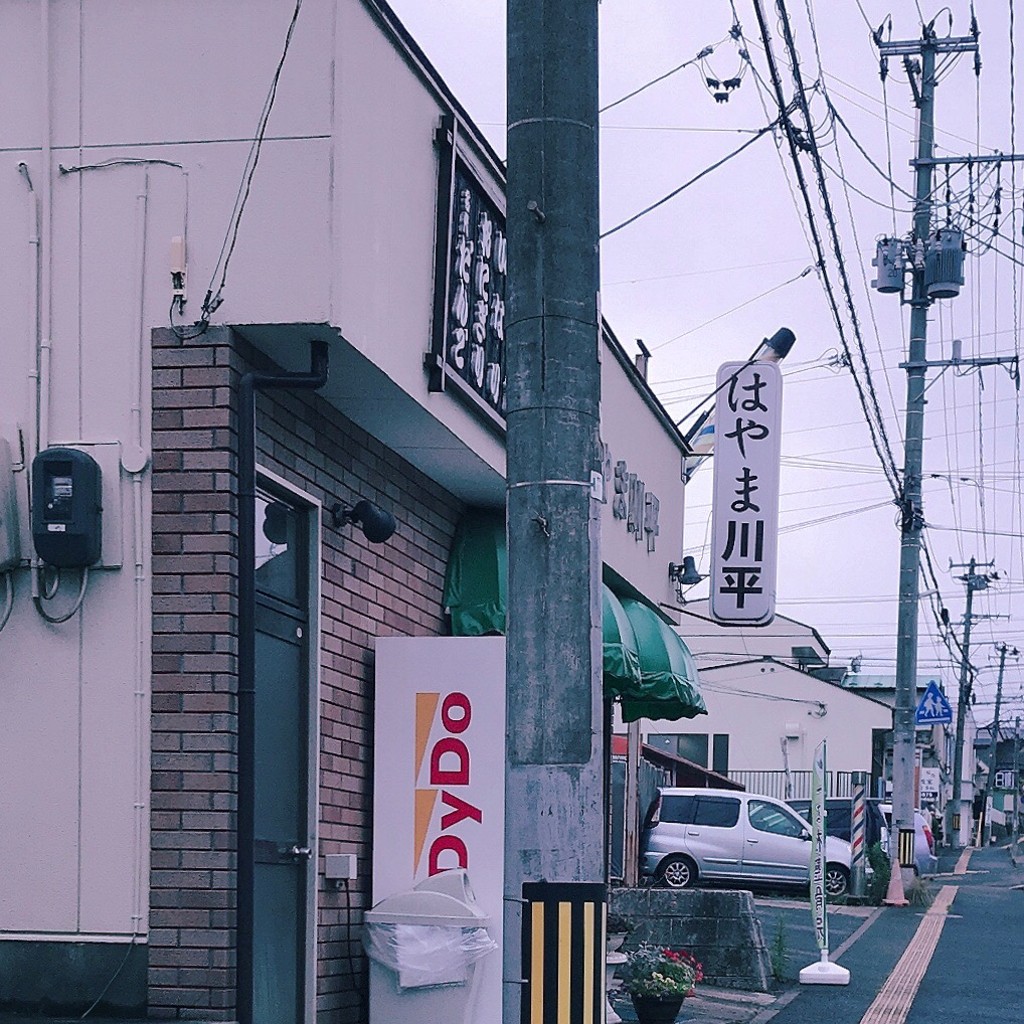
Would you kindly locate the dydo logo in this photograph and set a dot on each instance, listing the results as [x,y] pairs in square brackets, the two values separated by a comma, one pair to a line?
[443,814]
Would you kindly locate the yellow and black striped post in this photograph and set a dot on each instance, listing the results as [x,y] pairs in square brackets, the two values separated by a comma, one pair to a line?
[563,953]
[906,847]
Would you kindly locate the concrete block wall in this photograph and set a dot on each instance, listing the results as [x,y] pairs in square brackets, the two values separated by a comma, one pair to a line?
[720,928]
[366,591]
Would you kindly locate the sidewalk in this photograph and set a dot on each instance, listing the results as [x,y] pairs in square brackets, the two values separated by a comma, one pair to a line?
[948,965]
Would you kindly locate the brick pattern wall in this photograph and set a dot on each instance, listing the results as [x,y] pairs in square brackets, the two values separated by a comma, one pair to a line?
[367,591]
[192,874]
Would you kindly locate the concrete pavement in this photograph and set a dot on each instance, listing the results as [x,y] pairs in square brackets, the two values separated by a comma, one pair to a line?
[958,961]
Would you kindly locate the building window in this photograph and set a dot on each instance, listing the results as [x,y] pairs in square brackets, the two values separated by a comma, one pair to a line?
[720,753]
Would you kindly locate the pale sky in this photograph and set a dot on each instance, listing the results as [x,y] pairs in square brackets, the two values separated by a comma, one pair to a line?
[707,275]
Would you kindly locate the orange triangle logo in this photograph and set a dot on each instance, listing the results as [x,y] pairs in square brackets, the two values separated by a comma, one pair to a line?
[426,708]
[425,801]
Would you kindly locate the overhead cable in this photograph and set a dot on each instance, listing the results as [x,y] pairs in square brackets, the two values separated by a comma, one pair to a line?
[707,170]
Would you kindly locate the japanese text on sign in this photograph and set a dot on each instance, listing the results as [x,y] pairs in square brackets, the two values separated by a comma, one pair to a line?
[748,412]
[476,316]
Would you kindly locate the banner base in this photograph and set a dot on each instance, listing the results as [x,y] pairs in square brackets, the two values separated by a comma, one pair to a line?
[824,973]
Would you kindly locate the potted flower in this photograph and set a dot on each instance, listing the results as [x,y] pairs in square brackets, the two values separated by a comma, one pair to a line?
[658,979]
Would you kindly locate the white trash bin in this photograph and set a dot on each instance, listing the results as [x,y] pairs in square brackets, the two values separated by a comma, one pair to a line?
[423,946]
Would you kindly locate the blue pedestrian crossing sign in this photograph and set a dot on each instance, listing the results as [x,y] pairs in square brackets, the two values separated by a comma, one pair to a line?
[933,709]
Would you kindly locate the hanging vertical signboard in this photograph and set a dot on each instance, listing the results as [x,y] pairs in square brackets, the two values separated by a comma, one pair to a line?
[468,346]
[744,533]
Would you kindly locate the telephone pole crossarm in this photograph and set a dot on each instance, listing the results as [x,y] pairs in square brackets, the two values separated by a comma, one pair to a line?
[912,47]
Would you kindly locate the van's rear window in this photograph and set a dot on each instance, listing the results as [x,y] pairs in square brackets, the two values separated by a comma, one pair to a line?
[678,809]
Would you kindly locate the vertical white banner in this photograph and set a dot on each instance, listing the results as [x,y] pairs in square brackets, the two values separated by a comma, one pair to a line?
[818,908]
[439,774]
[745,517]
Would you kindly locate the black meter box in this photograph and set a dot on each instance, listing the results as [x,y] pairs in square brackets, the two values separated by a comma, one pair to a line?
[66,508]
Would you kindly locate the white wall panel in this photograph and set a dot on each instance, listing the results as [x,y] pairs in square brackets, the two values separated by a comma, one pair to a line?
[213,60]
[111,754]
[39,782]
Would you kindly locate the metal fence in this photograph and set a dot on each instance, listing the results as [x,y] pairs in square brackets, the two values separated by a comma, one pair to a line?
[792,785]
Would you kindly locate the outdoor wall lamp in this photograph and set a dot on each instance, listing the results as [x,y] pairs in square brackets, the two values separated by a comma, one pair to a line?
[376,524]
[684,575]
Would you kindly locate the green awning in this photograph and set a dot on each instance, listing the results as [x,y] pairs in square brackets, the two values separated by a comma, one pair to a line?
[668,674]
[476,581]
[645,663]
[618,642]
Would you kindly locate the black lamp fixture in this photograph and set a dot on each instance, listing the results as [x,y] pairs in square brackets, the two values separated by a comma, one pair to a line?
[684,574]
[376,524]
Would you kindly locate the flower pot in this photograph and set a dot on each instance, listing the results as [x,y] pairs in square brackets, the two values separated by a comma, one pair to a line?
[656,1009]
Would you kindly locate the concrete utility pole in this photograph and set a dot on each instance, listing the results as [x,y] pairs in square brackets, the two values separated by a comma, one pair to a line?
[957,819]
[554,798]
[912,517]
[1002,648]
[1016,789]
[922,80]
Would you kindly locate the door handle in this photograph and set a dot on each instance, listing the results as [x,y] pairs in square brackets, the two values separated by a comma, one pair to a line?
[753,842]
[300,852]
[692,832]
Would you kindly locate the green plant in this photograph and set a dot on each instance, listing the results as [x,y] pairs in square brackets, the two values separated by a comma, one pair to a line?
[878,884]
[658,971]
[779,952]
[919,894]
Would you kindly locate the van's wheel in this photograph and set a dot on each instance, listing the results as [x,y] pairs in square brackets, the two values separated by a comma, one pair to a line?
[677,872]
[837,880]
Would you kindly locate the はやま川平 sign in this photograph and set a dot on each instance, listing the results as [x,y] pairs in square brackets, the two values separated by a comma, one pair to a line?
[744,533]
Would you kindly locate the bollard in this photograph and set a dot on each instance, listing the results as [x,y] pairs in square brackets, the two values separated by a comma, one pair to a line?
[858,821]
[563,952]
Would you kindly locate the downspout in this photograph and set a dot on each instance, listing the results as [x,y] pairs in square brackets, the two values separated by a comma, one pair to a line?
[135,460]
[248,386]
[42,402]
[31,448]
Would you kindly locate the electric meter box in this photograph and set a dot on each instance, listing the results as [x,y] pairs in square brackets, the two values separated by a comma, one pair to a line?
[66,508]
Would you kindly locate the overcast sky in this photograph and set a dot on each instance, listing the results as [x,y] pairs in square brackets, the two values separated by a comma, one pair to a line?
[703,278]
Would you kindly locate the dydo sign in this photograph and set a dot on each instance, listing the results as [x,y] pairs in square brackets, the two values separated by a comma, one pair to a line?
[439,771]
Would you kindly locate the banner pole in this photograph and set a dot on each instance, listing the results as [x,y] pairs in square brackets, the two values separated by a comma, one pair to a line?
[823,972]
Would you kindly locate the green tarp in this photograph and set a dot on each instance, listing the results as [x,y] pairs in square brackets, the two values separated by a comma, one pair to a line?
[646,664]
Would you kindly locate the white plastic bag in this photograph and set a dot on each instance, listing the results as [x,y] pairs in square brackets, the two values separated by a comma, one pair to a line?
[426,955]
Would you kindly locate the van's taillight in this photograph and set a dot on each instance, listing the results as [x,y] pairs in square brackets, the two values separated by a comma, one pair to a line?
[931,842]
[656,812]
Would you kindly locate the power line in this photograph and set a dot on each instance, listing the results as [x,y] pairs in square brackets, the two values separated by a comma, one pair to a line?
[706,52]
[876,427]
[707,323]
[707,170]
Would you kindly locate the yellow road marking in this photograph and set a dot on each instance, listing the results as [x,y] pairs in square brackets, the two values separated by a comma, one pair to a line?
[893,1002]
[961,864]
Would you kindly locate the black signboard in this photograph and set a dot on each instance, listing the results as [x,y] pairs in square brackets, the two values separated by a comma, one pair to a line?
[468,345]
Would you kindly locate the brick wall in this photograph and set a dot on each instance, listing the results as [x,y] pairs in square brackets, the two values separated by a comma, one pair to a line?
[366,591]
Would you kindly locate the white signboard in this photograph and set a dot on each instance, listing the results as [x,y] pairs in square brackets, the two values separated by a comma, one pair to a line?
[818,912]
[439,775]
[744,534]
[929,781]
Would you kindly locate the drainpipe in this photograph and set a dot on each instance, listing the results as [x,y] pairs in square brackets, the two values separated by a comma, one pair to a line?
[134,461]
[248,386]
[44,323]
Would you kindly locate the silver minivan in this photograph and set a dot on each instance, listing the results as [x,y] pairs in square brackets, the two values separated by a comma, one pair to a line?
[696,835]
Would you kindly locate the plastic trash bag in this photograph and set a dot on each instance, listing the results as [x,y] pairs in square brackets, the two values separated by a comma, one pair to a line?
[426,955]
